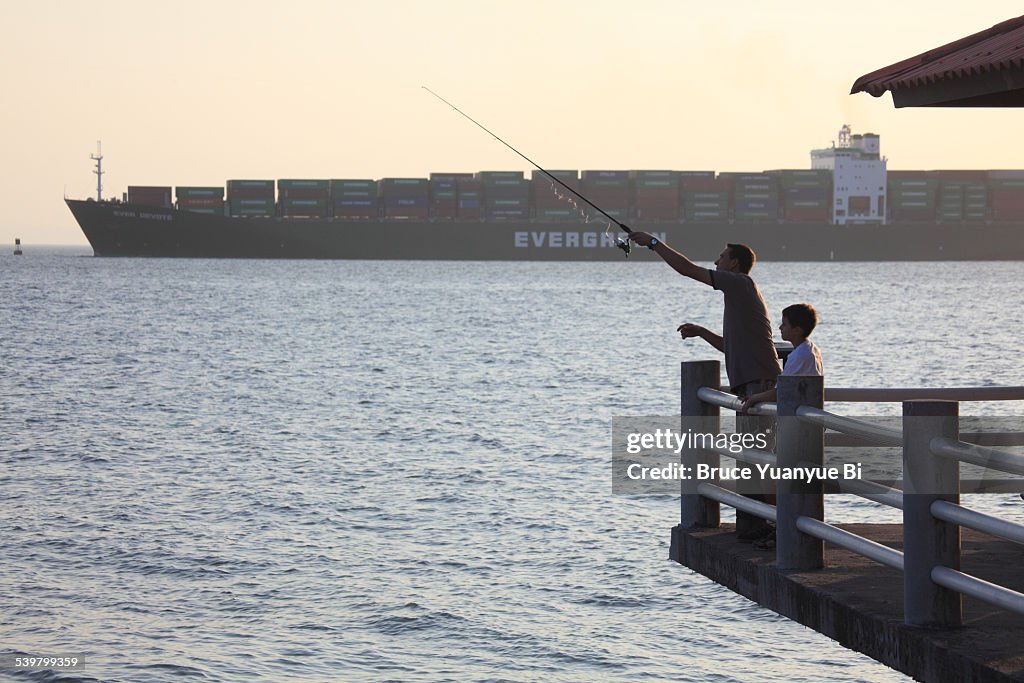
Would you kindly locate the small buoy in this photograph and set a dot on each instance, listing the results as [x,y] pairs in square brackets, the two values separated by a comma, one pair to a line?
[17,246]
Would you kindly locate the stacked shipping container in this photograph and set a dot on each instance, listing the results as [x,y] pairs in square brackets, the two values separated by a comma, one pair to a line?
[471,199]
[251,198]
[962,195]
[655,195]
[650,196]
[354,199]
[149,195]
[975,201]
[208,200]
[608,189]
[704,197]
[912,195]
[551,201]
[444,194]
[755,196]
[1007,188]
[806,194]
[506,195]
[405,198]
[303,198]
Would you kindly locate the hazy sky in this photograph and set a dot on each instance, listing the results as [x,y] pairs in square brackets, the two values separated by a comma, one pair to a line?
[195,93]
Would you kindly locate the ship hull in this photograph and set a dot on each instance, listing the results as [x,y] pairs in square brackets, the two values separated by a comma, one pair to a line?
[118,229]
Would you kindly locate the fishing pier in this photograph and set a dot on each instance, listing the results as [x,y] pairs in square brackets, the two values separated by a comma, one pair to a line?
[939,597]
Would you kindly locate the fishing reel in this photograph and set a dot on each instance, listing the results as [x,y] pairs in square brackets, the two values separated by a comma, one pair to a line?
[623,244]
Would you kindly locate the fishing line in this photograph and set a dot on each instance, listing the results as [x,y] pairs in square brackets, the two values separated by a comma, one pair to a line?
[620,243]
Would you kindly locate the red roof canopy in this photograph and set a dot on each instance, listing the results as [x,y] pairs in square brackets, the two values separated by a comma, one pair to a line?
[985,69]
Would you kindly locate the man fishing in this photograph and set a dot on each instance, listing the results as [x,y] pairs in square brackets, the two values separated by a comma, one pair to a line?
[751,361]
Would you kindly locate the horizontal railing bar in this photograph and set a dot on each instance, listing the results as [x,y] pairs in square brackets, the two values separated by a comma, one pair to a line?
[898,395]
[838,440]
[884,495]
[878,395]
[977,588]
[882,436]
[852,542]
[993,438]
[724,399]
[757,508]
[979,521]
[982,456]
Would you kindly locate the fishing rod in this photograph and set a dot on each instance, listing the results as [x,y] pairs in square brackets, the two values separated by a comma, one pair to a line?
[620,243]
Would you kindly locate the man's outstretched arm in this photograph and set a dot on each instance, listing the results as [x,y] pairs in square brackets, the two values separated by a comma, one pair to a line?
[677,260]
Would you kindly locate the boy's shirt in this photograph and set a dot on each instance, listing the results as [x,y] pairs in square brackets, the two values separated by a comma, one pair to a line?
[804,360]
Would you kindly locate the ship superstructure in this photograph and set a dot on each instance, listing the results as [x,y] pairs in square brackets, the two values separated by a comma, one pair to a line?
[859,180]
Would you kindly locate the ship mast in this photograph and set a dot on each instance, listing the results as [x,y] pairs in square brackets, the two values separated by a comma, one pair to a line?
[98,158]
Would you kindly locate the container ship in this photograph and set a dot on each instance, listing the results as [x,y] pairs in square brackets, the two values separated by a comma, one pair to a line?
[846,207]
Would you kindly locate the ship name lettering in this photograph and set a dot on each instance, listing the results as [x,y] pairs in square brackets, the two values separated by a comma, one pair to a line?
[558,240]
[155,216]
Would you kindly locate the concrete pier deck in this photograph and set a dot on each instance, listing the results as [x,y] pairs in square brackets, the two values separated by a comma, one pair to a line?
[859,603]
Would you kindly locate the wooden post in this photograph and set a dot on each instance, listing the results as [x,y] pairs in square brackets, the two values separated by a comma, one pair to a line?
[698,417]
[798,444]
[929,542]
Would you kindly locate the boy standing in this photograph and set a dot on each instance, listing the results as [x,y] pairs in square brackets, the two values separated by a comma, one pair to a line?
[798,321]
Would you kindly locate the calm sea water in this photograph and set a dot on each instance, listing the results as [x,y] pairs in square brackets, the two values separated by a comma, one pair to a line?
[348,471]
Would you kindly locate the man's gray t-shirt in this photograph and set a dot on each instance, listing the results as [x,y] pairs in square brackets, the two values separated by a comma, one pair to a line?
[746,330]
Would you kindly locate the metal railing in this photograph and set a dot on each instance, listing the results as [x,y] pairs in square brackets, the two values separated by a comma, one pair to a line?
[932,452]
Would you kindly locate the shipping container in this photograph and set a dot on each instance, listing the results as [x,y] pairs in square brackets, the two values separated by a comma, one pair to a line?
[294,207]
[804,214]
[452,176]
[656,195]
[250,189]
[958,176]
[615,177]
[252,207]
[199,192]
[350,208]
[1005,175]
[303,189]
[611,190]
[548,194]
[564,215]
[703,183]
[492,176]
[404,198]
[195,202]
[406,213]
[443,196]
[149,195]
[360,187]
[802,177]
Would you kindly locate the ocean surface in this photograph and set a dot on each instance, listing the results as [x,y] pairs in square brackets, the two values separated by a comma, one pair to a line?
[228,470]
